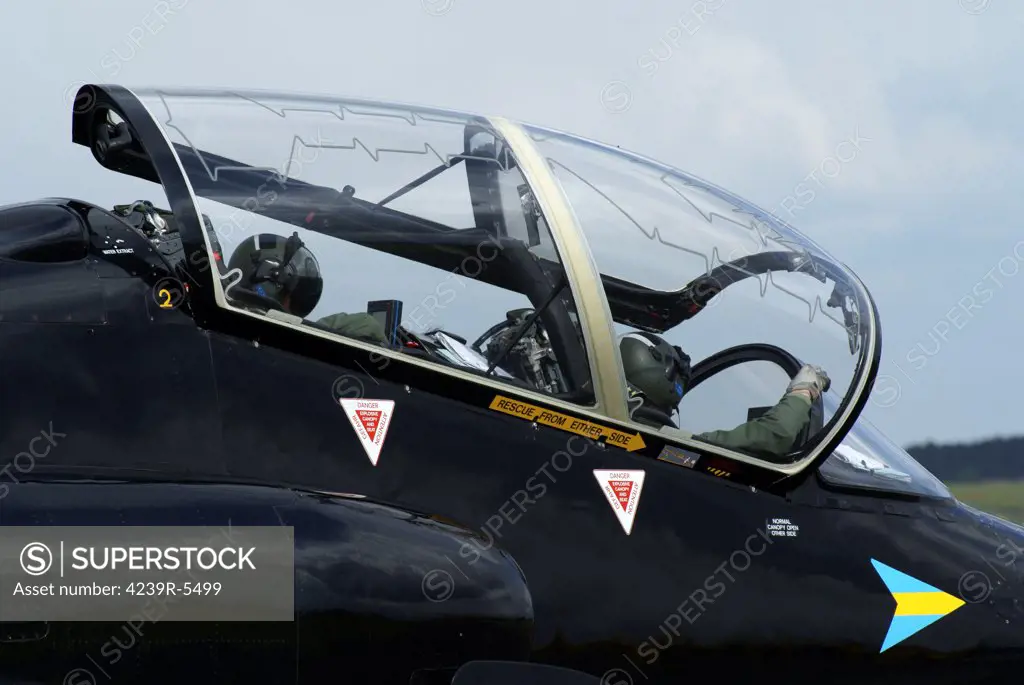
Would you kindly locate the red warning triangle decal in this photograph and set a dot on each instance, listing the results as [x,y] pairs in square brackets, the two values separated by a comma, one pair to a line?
[622,490]
[370,420]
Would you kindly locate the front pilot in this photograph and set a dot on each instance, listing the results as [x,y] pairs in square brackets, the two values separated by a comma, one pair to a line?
[657,374]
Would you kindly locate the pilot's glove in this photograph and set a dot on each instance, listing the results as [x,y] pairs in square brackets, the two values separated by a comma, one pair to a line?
[811,381]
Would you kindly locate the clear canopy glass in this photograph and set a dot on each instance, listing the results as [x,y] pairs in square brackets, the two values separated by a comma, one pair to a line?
[709,271]
[446,213]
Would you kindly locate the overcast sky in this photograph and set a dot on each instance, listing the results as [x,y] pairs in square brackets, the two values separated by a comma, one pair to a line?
[753,98]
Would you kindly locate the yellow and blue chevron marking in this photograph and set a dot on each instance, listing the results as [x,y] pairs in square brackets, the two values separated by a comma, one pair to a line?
[918,605]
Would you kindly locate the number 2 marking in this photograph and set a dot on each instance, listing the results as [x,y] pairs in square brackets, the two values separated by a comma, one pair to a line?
[167,304]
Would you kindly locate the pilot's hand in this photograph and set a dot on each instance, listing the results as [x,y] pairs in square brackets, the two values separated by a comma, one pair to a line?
[811,381]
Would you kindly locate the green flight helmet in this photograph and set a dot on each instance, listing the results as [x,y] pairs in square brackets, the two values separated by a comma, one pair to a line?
[656,370]
[280,271]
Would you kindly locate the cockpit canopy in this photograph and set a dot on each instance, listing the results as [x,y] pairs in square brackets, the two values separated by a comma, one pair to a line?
[506,253]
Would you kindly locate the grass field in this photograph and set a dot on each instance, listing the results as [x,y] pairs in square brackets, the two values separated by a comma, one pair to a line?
[1003,498]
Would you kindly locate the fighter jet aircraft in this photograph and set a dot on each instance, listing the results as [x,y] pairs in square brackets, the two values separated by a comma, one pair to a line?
[536,409]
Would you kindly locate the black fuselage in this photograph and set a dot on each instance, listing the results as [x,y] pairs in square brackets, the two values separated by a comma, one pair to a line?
[165,422]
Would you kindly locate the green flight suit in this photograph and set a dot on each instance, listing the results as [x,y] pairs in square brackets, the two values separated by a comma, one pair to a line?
[774,433]
[361,326]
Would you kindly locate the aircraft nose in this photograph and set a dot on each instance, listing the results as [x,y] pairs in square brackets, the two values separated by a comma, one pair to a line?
[998,578]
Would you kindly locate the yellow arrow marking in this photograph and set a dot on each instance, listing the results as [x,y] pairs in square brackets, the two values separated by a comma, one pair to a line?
[631,442]
[926,603]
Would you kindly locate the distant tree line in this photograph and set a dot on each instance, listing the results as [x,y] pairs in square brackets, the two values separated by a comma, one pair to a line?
[993,459]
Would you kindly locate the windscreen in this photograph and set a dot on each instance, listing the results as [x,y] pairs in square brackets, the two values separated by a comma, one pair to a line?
[868,459]
[653,226]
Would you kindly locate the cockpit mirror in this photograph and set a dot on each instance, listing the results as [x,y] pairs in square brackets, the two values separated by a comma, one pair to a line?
[482,145]
[843,299]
